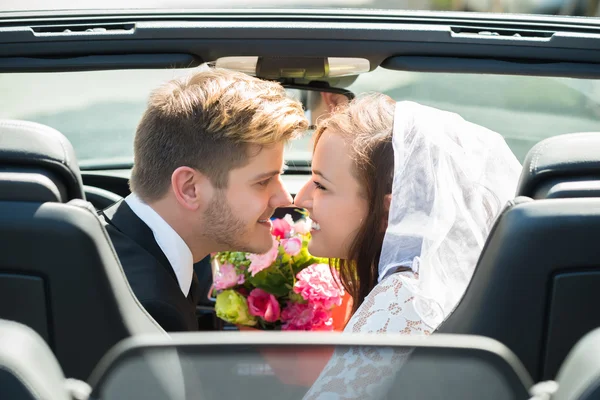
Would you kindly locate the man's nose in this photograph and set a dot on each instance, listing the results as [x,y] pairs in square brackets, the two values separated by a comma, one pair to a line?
[282,198]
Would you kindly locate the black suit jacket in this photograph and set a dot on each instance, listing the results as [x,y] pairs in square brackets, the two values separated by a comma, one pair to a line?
[149,272]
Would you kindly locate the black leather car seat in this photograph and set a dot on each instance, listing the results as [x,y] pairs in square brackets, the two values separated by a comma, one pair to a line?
[59,273]
[537,281]
[28,369]
[201,366]
[536,285]
[579,376]
[562,166]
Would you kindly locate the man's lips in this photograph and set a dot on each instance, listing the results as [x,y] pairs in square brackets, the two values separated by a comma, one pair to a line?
[266,222]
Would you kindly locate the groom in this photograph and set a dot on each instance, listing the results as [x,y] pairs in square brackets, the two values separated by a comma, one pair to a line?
[208,157]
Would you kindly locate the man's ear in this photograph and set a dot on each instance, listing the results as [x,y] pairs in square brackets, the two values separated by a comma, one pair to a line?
[191,188]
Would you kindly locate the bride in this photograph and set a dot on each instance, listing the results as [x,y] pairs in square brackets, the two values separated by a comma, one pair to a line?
[403,196]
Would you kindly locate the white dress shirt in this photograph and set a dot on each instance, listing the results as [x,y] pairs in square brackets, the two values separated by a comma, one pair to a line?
[172,245]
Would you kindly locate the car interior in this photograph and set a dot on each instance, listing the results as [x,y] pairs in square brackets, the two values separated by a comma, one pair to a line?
[551,239]
[70,326]
[54,250]
[466,367]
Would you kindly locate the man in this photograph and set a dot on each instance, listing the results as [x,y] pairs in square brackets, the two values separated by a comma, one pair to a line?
[321,104]
[208,157]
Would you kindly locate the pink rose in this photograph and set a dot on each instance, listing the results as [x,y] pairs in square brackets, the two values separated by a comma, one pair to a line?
[317,284]
[302,227]
[306,317]
[263,305]
[281,228]
[227,277]
[258,262]
[292,246]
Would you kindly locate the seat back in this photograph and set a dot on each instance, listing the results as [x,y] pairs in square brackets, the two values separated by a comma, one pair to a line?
[28,369]
[535,287]
[562,166]
[271,365]
[59,273]
[60,276]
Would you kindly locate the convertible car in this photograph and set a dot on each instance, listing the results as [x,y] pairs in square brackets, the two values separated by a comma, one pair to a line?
[526,324]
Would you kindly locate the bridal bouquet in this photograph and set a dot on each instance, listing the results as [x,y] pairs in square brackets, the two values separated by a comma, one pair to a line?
[283,289]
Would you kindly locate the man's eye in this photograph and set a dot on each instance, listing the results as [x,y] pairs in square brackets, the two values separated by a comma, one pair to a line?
[265,182]
[318,186]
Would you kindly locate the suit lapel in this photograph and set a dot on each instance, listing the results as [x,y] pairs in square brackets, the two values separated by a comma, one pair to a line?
[194,293]
[124,219]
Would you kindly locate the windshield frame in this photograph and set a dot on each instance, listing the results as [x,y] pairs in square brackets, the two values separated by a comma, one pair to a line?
[312,13]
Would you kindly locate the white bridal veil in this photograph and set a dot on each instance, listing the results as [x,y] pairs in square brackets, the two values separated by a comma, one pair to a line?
[451,180]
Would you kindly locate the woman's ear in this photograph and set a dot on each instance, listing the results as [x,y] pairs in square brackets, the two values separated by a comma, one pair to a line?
[387,202]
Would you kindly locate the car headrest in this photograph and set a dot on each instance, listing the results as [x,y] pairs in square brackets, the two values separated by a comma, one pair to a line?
[565,158]
[28,369]
[579,376]
[37,163]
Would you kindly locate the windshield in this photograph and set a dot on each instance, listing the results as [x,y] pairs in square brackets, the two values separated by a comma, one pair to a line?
[287,371]
[561,7]
[98,111]
[523,109]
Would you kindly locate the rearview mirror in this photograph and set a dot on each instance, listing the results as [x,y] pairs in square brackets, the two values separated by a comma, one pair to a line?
[317,103]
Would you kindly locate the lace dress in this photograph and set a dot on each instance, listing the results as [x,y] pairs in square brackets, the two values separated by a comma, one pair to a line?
[363,373]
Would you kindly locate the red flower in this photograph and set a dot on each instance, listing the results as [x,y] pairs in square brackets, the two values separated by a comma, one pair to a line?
[281,228]
[264,305]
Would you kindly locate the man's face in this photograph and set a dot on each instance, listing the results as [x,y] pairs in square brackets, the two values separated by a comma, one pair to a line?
[238,217]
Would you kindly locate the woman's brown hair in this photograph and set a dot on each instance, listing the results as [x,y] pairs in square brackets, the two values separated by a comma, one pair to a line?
[366,124]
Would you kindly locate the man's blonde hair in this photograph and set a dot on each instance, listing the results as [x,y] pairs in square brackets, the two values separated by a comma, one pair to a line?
[210,121]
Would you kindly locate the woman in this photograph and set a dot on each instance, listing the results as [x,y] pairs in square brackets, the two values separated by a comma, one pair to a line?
[404,196]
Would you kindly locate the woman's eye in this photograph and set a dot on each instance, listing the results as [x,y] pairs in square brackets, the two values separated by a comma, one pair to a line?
[318,186]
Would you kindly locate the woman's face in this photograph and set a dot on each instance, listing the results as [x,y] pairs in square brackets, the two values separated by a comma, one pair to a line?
[333,199]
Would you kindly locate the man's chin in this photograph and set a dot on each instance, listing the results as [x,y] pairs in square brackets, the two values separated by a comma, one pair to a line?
[260,246]
[261,249]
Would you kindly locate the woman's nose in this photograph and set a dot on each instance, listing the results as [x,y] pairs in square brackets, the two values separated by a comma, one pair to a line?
[304,197]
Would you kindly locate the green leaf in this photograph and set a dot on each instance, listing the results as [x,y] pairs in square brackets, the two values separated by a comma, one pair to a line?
[271,280]
[296,298]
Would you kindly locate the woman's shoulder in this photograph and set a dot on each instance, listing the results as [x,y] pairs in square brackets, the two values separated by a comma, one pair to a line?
[402,278]
[397,286]
[389,307]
